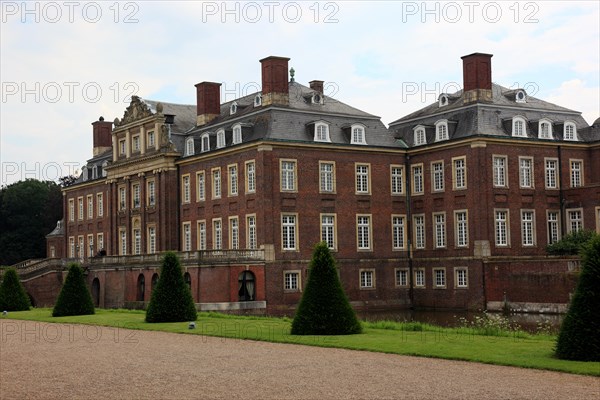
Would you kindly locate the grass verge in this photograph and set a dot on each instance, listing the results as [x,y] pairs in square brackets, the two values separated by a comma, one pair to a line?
[517,348]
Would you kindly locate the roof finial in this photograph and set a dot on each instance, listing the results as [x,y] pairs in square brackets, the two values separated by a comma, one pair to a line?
[292,73]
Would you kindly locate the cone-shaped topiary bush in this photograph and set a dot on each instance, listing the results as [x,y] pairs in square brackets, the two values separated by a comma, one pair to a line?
[74,297]
[171,299]
[324,308]
[12,293]
[579,337]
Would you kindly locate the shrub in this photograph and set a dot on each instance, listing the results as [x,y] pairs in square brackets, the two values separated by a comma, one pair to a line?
[324,308]
[74,297]
[579,337]
[171,300]
[571,244]
[12,294]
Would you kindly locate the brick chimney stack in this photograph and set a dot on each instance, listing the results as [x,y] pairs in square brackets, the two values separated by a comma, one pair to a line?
[317,86]
[477,77]
[208,102]
[275,88]
[102,131]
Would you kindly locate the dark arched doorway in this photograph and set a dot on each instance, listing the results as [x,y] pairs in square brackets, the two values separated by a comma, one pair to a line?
[141,287]
[188,280]
[154,281]
[246,286]
[96,292]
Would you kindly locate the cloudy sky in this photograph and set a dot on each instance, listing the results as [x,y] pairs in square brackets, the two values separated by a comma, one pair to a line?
[64,64]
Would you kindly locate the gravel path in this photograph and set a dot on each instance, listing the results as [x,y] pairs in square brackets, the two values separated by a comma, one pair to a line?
[56,361]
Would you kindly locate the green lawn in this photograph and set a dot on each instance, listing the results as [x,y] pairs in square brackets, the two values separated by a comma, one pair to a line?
[505,348]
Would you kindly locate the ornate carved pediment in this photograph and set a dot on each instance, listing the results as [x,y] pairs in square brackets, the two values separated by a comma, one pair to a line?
[137,110]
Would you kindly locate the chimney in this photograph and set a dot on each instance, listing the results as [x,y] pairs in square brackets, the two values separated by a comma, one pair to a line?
[275,88]
[317,86]
[477,77]
[102,136]
[208,102]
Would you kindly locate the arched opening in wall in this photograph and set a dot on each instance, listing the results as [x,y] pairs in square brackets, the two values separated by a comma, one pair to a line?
[188,280]
[96,292]
[246,286]
[31,299]
[154,281]
[141,287]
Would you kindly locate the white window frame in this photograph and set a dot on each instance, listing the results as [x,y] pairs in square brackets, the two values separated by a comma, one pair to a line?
[327,177]
[459,173]
[137,241]
[71,210]
[217,232]
[189,147]
[80,212]
[439,278]
[289,232]
[545,123]
[250,168]
[100,205]
[151,239]
[150,143]
[367,279]
[251,232]
[237,134]
[574,224]
[90,206]
[441,130]
[526,173]
[461,228]
[288,175]
[500,171]
[201,186]
[551,176]
[100,241]
[437,176]
[185,189]
[202,235]
[419,280]
[528,237]
[328,227]
[234,232]
[419,231]
[215,174]
[221,142]
[553,226]
[291,281]
[419,135]
[397,179]
[232,172]
[576,174]
[186,236]
[401,277]
[322,132]
[570,131]
[136,195]
[122,198]
[461,282]
[358,134]
[233,108]
[502,227]
[364,229]
[417,181]
[362,178]
[398,232]
[205,142]
[519,127]
[439,230]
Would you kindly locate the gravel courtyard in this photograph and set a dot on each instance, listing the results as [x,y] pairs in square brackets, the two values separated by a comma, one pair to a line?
[56,361]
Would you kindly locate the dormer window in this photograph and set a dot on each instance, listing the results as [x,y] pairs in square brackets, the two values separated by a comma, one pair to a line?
[358,134]
[94,172]
[521,96]
[237,134]
[317,98]
[545,129]
[518,127]
[205,141]
[233,108]
[258,100]
[419,132]
[570,132]
[441,130]
[443,100]
[220,138]
[104,165]
[189,147]
[84,172]
[322,132]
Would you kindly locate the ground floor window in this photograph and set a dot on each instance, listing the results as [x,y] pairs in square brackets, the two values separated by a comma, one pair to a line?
[367,279]
[291,281]
[246,287]
[401,277]
[440,277]
[420,278]
[461,278]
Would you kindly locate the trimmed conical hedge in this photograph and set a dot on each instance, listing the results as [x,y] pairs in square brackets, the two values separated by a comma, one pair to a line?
[74,297]
[579,337]
[171,299]
[12,293]
[324,308]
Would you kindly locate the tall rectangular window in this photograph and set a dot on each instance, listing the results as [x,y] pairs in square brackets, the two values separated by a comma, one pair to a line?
[185,188]
[201,235]
[363,232]
[80,208]
[461,278]
[234,233]
[574,220]
[233,180]
[527,228]
[367,279]
[200,186]
[90,206]
[137,241]
[100,240]
[553,222]
[420,278]
[401,277]
[151,240]
[439,277]
[419,224]
[459,169]
[326,177]
[499,168]
[151,193]
[440,230]
[551,173]
[288,175]
[216,183]
[328,230]
[251,241]
[501,223]
[217,234]
[288,232]
[186,239]
[398,226]
[122,198]
[136,195]
[291,281]
[136,143]
[417,173]
[250,177]
[71,210]
[100,205]
[123,242]
[397,179]
[71,247]
[90,246]
[576,173]
[526,172]
[150,139]
[437,176]
[362,178]
[461,228]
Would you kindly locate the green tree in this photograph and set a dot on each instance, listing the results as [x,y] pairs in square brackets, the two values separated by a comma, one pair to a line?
[12,293]
[29,211]
[579,337]
[324,308]
[171,299]
[571,243]
[74,297]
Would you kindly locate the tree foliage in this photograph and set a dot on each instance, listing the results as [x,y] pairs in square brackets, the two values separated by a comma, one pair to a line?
[171,299]
[571,243]
[74,297]
[324,308]
[29,211]
[12,293]
[579,337]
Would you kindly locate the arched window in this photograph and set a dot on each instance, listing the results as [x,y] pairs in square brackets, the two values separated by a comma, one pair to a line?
[545,129]
[84,172]
[205,142]
[96,292]
[237,134]
[441,130]
[246,287]
[141,287]
[188,280]
[322,132]
[258,100]
[358,134]
[220,138]
[521,97]
[518,127]
[233,108]
[154,281]
[443,100]
[189,147]
[570,132]
[419,133]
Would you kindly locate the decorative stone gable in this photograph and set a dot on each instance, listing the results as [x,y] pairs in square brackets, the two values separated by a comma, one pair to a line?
[137,110]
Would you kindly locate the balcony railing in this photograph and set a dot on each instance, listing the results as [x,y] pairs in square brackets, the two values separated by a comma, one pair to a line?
[186,257]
